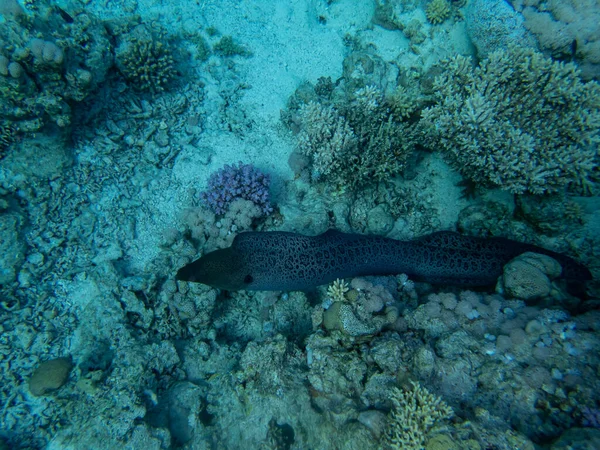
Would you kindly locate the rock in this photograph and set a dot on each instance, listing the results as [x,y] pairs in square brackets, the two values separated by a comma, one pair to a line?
[528,276]
[379,221]
[375,421]
[50,375]
[578,438]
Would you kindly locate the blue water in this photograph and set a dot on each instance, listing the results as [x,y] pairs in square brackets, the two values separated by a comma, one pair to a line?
[122,125]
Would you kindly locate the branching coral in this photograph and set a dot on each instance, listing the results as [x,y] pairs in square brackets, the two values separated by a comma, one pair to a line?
[337,290]
[145,60]
[413,414]
[438,11]
[7,136]
[519,121]
[326,138]
[355,143]
[363,311]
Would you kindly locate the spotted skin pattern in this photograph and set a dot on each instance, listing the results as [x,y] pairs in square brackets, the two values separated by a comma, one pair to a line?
[282,261]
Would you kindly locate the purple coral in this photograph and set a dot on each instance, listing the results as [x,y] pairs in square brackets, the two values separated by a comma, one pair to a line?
[237,181]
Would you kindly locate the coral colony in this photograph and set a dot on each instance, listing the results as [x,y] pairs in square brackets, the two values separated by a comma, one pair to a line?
[237,181]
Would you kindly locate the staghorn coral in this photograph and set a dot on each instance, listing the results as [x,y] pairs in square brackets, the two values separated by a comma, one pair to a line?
[414,412]
[405,102]
[519,121]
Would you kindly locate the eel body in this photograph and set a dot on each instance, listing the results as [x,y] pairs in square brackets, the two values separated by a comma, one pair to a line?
[285,261]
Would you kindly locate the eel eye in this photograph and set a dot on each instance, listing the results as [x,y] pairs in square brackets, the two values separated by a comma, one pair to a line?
[248,279]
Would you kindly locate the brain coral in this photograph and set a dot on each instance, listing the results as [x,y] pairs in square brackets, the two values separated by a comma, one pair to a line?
[518,120]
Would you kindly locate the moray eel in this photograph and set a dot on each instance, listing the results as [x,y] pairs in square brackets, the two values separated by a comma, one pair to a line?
[282,261]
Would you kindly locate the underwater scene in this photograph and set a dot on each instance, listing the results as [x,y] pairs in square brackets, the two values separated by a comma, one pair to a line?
[300,224]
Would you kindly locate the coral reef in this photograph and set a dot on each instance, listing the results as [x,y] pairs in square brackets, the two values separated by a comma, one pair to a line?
[494,25]
[48,65]
[92,233]
[519,121]
[356,144]
[499,335]
[355,133]
[566,29]
[241,181]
